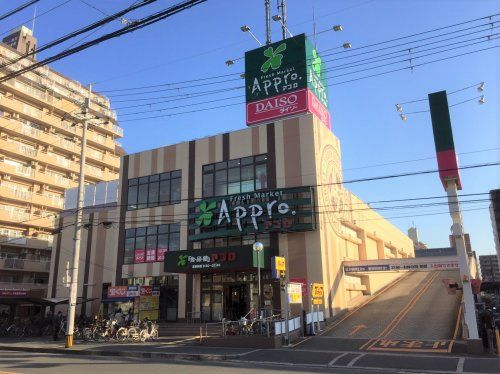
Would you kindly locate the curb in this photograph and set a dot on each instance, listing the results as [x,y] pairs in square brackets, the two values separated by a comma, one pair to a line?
[131,354]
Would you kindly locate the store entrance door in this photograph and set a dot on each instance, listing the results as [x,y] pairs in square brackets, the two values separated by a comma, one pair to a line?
[169,296]
[236,301]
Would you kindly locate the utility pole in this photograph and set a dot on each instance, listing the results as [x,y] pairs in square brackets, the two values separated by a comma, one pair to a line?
[268,21]
[283,17]
[463,259]
[78,229]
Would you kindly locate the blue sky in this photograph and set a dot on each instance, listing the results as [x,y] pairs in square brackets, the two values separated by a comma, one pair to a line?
[195,44]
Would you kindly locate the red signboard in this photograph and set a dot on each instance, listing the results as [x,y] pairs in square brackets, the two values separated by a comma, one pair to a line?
[13,293]
[279,106]
[139,255]
[160,254]
[150,255]
[117,291]
[316,107]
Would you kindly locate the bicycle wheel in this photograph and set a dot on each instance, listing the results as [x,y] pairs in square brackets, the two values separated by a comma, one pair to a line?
[144,335]
[154,334]
[134,334]
[121,334]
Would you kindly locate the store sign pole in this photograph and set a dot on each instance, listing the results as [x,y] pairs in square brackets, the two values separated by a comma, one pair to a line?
[287,332]
[312,309]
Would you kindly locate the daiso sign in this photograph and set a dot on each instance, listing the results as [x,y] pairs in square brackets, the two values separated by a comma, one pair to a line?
[277,107]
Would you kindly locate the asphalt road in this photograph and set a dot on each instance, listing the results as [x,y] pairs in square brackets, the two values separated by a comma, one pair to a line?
[258,361]
[416,307]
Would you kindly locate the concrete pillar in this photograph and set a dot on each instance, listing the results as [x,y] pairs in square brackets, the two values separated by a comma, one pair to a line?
[380,249]
[362,247]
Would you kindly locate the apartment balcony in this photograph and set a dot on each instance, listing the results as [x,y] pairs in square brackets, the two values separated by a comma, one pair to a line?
[23,196]
[26,219]
[29,174]
[26,265]
[103,159]
[14,126]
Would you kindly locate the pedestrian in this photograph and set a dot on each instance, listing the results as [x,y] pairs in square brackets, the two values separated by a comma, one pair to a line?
[57,324]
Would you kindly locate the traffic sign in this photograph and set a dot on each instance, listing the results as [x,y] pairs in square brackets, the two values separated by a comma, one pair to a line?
[318,301]
[317,290]
[294,291]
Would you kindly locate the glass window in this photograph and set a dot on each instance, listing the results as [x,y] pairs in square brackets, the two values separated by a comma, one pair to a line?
[164,192]
[260,176]
[132,197]
[153,194]
[143,196]
[175,190]
[128,257]
[130,233]
[163,229]
[155,190]
[152,230]
[174,242]
[208,185]
[221,165]
[221,183]
[140,231]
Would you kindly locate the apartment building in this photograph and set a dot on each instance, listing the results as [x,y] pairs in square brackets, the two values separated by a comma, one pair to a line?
[40,143]
[490,269]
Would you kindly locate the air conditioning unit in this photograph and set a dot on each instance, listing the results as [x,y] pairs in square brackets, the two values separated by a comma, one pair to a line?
[52,130]
[15,115]
[72,175]
[45,187]
[33,163]
[6,177]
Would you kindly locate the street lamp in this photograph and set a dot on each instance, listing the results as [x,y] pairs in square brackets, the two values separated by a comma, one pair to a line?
[258,247]
[278,18]
[245,28]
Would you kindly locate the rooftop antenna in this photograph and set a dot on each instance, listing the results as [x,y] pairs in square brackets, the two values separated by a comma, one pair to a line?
[314,27]
[283,16]
[268,21]
[33,24]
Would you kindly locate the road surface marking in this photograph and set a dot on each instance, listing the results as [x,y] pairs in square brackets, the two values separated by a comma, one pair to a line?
[357,329]
[367,343]
[403,312]
[460,365]
[353,361]
[367,302]
[332,362]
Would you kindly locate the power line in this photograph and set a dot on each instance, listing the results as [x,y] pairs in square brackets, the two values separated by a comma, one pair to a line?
[39,15]
[70,36]
[338,58]
[136,25]
[204,93]
[18,9]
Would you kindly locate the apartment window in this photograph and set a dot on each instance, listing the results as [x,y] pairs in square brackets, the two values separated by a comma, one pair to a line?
[236,176]
[149,244]
[154,190]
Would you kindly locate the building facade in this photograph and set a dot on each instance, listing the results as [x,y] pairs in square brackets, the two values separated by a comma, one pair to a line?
[40,144]
[490,270]
[495,218]
[188,215]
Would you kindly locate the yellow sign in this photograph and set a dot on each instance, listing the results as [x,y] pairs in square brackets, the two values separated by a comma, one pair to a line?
[318,301]
[317,290]
[280,263]
[294,291]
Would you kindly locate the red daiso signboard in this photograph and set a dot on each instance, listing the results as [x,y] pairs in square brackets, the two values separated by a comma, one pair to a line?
[285,79]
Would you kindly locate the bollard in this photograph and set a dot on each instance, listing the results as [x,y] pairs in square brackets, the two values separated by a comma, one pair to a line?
[497,336]
[201,335]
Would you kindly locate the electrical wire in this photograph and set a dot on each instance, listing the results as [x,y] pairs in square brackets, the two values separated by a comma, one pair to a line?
[18,9]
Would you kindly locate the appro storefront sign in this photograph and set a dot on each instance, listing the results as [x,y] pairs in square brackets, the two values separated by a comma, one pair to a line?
[283,79]
[253,212]
[209,260]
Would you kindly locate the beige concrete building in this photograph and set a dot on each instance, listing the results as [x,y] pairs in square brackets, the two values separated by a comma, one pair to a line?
[40,137]
[188,215]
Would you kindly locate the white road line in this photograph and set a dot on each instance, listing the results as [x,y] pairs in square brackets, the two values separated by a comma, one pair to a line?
[332,362]
[460,365]
[353,361]
[247,353]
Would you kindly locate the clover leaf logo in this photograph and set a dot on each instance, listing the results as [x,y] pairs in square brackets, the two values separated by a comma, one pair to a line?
[274,58]
[205,217]
[182,261]
[316,63]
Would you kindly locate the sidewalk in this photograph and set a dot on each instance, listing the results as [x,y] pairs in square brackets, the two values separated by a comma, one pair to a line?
[165,348]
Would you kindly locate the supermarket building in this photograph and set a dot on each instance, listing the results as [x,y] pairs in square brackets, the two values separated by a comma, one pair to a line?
[187,215]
